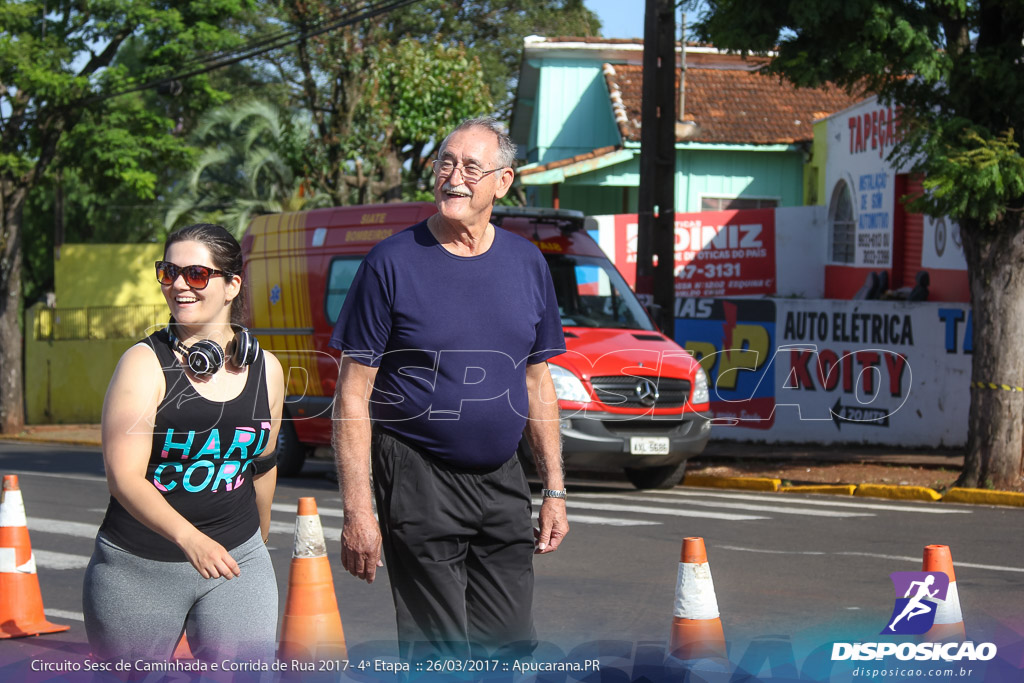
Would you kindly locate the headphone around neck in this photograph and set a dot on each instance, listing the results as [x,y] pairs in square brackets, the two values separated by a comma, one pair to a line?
[206,357]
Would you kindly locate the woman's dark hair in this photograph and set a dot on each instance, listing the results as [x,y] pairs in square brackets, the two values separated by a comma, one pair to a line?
[225,252]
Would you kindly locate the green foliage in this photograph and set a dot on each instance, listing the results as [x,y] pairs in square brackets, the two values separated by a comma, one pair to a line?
[418,93]
[426,90]
[493,31]
[96,209]
[127,144]
[953,66]
[389,89]
[61,67]
[383,91]
[971,173]
[251,161]
[75,112]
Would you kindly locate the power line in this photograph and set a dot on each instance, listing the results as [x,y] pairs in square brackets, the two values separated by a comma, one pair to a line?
[269,39]
[289,38]
[229,57]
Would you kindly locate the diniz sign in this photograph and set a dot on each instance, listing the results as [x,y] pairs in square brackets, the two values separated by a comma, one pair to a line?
[717,253]
[876,130]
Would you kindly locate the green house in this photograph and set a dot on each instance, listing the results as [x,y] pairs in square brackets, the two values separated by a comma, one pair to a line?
[744,143]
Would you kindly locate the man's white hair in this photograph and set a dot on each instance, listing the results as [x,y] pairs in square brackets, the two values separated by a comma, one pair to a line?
[506,148]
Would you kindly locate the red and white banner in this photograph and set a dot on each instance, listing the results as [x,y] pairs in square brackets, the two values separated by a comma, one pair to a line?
[717,253]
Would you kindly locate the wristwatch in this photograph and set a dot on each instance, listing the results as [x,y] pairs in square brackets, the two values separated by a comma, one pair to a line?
[552,493]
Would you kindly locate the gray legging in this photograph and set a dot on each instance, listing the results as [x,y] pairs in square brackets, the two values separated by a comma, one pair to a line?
[137,608]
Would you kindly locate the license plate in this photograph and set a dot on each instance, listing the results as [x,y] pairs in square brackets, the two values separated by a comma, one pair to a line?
[648,445]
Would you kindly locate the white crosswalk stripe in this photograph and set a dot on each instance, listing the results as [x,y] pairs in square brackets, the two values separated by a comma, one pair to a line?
[927,508]
[330,532]
[63,614]
[779,509]
[49,559]
[912,559]
[59,526]
[650,510]
[616,508]
[609,521]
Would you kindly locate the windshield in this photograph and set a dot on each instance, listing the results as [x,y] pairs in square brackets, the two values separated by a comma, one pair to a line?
[591,293]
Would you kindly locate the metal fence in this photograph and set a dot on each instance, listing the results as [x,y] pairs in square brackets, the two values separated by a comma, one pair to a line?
[98,322]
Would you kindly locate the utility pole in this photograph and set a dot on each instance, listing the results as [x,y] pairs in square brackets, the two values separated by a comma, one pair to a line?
[656,224]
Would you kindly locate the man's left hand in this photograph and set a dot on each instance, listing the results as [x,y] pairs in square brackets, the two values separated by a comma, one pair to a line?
[554,525]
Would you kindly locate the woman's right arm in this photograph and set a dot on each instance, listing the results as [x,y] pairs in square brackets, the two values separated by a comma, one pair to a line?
[129,416]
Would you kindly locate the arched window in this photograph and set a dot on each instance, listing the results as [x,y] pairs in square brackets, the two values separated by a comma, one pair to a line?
[842,224]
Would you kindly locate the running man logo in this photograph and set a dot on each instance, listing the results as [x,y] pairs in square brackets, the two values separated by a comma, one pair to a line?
[916,596]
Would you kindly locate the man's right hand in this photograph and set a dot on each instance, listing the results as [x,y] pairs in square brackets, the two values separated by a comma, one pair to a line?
[360,546]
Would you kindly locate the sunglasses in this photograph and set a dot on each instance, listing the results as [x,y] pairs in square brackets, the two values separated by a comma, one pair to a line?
[196,277]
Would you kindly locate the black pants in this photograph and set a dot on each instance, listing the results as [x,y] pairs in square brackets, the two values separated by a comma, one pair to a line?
[458,546]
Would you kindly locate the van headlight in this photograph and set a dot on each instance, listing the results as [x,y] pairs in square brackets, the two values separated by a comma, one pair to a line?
[700,387]
[568,386]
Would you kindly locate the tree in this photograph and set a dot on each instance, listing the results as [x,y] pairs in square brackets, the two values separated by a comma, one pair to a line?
[61,72]
[493,32]
[252,161]
[73,203]
[350,79]
[418,93]
[372,128]
[954,69]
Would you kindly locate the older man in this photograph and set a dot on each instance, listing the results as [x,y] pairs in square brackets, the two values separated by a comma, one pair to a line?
[444,334]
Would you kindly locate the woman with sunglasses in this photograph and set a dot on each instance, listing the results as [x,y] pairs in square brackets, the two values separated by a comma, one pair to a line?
[189,425]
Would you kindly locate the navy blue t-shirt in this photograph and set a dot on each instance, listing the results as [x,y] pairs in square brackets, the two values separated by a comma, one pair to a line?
[452,337]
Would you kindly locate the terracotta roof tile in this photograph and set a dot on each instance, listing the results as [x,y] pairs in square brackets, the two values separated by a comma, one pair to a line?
[618,105]
[731,101]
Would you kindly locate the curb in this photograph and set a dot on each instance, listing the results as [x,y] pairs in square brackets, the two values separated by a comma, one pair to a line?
[28,438]
[745,483]
[984,496]
[891,492]
[897,492]
[833,489]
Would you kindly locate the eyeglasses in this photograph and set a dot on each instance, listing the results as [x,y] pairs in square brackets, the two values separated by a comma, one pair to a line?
[196,277]
[472,173]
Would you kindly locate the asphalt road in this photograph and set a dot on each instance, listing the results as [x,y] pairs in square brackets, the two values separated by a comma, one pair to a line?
[796,570]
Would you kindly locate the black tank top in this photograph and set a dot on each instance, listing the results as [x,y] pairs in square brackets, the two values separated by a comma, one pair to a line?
[201,460]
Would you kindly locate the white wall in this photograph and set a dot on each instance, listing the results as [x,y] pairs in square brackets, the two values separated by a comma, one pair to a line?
[904,367]
[801,241]
[940,245]
[829,371]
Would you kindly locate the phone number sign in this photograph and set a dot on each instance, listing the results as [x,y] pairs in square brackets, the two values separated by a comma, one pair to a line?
[717,253]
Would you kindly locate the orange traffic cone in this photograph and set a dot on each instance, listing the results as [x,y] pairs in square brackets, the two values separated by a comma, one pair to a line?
[696,626]
[949,620]
[21,603]
[182,651]
[311,628]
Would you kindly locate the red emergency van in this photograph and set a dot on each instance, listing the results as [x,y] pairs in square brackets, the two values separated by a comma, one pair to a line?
[630,399]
